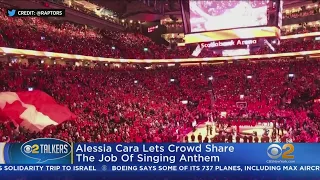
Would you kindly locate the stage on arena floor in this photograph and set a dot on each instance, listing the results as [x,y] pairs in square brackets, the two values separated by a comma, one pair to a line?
[258,128]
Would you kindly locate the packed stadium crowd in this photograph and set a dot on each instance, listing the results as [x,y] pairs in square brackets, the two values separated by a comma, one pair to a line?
[120,105]
[302,12]
[300,29]
[145,105]
[43,35]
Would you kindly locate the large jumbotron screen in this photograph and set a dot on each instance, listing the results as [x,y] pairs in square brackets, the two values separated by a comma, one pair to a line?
[220,20]
[212,15]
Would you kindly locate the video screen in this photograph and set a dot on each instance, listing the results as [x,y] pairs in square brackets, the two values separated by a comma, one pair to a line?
[211,15]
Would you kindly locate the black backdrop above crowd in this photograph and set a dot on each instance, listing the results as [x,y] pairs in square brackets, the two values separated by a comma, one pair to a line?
[155,35]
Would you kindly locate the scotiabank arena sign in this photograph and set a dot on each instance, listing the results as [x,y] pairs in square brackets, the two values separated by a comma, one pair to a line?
[229,43]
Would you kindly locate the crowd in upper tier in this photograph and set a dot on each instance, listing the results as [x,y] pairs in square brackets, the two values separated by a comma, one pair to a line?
[118,105]
[303,11]
[40,34]
[301,29]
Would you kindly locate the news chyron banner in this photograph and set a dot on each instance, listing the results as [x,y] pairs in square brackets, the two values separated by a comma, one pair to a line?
[182,159]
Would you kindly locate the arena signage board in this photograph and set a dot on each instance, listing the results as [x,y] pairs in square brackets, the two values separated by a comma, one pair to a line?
[229,43]
[242,33]
[152,29]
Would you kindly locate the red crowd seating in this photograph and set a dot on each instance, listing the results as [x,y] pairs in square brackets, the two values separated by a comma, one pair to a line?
[40,34]
[145,106]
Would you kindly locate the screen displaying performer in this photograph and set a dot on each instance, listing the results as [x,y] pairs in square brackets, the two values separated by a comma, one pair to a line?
[211,15]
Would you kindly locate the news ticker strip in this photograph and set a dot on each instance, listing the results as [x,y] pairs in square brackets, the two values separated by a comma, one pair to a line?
[161,168]
[36,12]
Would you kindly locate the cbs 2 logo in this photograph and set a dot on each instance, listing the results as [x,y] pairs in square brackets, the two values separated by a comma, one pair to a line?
[34,149]
[275,151]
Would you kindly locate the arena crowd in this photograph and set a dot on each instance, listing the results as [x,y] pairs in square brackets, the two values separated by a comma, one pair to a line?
[118,105]
[40,34]
[121,105]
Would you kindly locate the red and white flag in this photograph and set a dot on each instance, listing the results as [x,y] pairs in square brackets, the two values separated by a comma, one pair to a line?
[33,110]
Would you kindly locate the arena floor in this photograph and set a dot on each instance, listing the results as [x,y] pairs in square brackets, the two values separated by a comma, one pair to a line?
[245,129]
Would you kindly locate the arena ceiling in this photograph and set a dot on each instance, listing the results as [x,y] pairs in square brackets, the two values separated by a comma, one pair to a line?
[151,10]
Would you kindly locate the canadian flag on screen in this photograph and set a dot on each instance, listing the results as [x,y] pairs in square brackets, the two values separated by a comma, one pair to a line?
[33,110]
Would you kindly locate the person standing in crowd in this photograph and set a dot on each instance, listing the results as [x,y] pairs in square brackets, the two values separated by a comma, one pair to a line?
[193,137]
[278,127]
[200,138]
[210,130]
[238,138]
[273,138]
[206,139]
[186,139]
[194,125]
[250,139]
[267,139]
[208,127]
[229,138]
[245,139]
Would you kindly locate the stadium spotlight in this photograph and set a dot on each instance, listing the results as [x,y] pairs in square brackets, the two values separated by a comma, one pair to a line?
[291,75]
[223,114]
[135,81]
[42,61]
[172,80]
[145,49]
[184,102]
[241,96]
[113,47]
[249,77]
[210,78]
